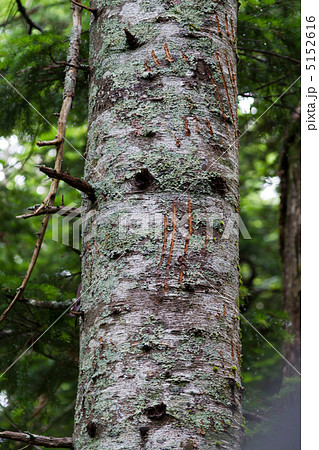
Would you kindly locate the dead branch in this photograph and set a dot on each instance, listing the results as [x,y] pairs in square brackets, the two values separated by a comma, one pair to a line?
[26,17]
[55,141]
[61,210]
[68,94]
[92,10]
[34,439]
[76,183]
[266,52]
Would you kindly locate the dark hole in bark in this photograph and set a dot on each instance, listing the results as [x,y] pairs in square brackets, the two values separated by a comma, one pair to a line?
[156,412]
[131,40]
[218,184]
[143,179]
[188,287]
[91,429]
[144,431]
[147,347]
[168,374]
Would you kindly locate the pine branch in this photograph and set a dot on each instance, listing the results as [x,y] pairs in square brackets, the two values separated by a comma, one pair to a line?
[76,183]
[25,15]
[34,439]
[47,305]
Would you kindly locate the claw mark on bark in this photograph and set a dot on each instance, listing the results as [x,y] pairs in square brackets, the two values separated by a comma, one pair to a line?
[147,67]
[226,23]
[190,230]
[211,132]
[164,242]
[225,311]
[225,86]
[155,58]
[222,109]
[207,237]
[168,56]
[232,348]
[178,144]
[187,130]
[197,124]
[232,27]
[184,56]
[222,358]
[218,25]
[171,246]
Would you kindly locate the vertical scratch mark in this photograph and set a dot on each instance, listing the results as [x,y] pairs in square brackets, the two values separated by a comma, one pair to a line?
[155,58]
[190,230]
[222,109]
[197,124]
[218,25]
[187,130]
[230,75]
[206,237]
[171,246]
[147,67]
[226,88]
[164,242]
[232,348]
[178,144]
[184,56]
[211,132]
[168,56]
[222,358]
[96,249]
[226,24]
[232,28]
[225,311]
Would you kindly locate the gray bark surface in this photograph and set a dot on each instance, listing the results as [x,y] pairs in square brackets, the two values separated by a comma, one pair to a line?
[159,342]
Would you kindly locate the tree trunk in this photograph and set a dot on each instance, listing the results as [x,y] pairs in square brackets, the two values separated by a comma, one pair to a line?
[290,229]
[160,348]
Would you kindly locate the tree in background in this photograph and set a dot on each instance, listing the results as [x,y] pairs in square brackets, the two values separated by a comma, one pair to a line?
[39,390]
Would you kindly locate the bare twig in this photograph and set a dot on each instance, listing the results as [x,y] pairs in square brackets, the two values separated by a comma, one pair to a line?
[61,210]
[266,52]
[92,10]
[265,85]
[33,439]
[76,183]
[68,94]
[55,142]
[25,15]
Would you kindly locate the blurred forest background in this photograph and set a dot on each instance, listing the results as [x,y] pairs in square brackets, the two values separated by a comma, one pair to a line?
[38,392]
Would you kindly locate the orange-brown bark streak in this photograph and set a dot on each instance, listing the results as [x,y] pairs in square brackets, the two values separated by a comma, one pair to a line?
[171,246]
[225,86]
[155,58]
[222,110]
[190,230]
[164,242]
[168,56]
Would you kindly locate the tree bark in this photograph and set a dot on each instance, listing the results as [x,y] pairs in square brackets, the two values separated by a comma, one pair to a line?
[159,342]
[290,230]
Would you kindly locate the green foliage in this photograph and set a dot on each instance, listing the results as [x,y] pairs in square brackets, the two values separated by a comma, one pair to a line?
[40,388]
